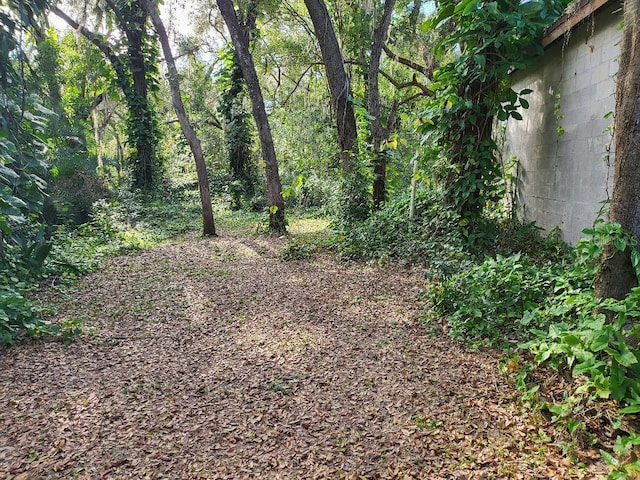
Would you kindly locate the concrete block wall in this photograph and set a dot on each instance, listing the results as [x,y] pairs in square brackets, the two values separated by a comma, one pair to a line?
[562,180]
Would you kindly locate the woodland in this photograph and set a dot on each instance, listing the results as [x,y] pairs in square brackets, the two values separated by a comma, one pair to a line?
[275,239]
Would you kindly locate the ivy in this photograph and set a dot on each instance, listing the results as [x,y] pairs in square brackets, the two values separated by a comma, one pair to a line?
[236,125]
[23,167]
[483,43]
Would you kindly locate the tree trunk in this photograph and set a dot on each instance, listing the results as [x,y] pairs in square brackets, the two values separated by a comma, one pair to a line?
[98,139]
[236,130]
[140,109]
[415,14]
[240,40]
[354,187]
[379,133]
[209,228]
[131,78]
[617,275]
[338,81]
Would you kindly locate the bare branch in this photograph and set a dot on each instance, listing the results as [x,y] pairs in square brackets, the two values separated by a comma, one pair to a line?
[426,71]
[426,92]
[297,84]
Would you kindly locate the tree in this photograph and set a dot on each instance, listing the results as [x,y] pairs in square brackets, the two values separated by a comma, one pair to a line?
[342,101]
[617,275]
[379,132]
[134,62]
[240,40]
[189,133]
[236,126]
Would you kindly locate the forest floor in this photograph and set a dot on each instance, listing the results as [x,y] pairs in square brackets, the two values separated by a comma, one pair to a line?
[215,358]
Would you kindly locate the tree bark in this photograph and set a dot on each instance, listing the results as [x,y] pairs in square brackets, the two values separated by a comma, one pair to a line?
[415,14]
[338,81]
[209,228]
[617,275]
[354,204]
[145,157]
[240,41]
[379,132]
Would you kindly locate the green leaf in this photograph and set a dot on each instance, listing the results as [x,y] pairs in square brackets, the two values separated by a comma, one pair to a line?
[480,60]
[572,340]
[600,343]
[624,356]
[620,244]
[630,409]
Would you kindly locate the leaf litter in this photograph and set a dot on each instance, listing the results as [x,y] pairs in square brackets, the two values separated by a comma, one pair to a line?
[214,359]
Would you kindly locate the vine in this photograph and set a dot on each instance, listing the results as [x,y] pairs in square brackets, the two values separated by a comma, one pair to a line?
[472,90]
[237,130]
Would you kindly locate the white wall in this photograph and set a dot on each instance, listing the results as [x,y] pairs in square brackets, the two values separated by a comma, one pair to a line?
[562,180]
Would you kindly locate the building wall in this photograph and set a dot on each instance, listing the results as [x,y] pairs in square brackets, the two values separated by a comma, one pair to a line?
[562,180]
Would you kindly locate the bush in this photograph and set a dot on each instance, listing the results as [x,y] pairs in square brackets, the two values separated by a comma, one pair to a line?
[17,314]
[296,250]
[487,304]
[592,340]
[432,238]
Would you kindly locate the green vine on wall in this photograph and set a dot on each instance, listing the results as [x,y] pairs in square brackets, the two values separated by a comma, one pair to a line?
[557,114]
[485,42]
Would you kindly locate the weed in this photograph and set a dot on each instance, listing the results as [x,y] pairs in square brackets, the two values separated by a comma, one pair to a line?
[295,250]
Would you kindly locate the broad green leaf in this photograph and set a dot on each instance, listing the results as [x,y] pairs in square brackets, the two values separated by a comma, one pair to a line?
[630,409]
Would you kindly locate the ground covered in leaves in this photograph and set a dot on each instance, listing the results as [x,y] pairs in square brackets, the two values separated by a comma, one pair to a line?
[215,358]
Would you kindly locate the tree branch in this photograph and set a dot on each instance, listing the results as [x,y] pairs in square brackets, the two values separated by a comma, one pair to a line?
[426,92]
[100,42]
[297,84]
[427,72]
[121,20]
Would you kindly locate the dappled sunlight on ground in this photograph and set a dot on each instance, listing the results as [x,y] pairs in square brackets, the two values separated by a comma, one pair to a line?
[214,358]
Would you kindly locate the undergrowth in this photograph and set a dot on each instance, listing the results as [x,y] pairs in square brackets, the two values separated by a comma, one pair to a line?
[511,287]
[546,311]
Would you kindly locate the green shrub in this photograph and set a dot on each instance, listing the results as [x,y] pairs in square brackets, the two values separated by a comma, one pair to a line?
[487,303]
[432,238]
[17,314]
[296,250]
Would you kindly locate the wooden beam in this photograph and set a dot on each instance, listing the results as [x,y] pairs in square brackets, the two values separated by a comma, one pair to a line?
[578,11]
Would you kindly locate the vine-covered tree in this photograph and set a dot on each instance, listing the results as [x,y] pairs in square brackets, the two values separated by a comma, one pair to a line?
[236,127]
[133,56]
[482,44]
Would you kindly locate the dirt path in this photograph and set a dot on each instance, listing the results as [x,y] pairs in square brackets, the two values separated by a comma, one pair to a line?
[217,359]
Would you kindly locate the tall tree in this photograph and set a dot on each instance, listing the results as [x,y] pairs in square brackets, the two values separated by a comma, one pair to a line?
[341,98]
[379,131]
[209,227]
[237,131]
[240,40]
[135,69]
[617,275]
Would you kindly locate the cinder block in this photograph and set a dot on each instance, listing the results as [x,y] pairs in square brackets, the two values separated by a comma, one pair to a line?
[565,178]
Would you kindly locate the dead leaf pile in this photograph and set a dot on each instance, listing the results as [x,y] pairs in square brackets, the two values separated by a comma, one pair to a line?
[214,358]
